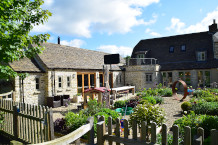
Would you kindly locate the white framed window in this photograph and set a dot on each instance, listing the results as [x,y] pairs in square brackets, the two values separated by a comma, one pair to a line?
[183,48]
[68,81]
[140,56]
[37,83]
[201,56]
[60,82]
[148,78]
[171,49]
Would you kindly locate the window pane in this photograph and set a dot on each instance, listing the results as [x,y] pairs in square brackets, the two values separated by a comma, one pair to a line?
[183,48]
[171,49]
[37,83]
[68,81]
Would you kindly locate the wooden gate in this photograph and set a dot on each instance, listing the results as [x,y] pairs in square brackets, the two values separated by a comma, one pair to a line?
[26,123]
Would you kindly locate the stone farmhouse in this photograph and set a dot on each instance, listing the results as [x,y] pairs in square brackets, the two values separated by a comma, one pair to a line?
[190,57]
[62,70]
[65,70]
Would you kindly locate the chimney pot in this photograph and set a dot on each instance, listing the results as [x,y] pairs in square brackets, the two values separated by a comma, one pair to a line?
[59,40]
[213,27]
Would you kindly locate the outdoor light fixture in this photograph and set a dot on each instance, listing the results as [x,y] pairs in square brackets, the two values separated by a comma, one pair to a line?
[73,76]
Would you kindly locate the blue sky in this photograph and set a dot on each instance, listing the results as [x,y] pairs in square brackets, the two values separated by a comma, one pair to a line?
[116,26]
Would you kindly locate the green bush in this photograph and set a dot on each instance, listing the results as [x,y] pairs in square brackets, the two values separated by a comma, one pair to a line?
[147,112]
[150,100]
[202,93]
[186,106]
[93,108]
[74,121]
[159,99]
[194,121]
[120,104]
[209,99]
[111,113]
[209,108]
[169,139]
[167,92]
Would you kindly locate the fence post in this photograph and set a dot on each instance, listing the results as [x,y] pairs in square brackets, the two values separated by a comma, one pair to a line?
[143,131]
[153,132]
[100,133]
[51,124]
[110,128]
[134,129]
[214,137]
[200,132]
[164,134]
[91,133]
[175,135]
[187,136]
[15,122]
[117,129]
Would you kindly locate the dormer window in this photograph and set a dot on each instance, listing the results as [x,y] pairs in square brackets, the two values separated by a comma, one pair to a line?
[201,56]
[171,50]
[183,48]
[140,55]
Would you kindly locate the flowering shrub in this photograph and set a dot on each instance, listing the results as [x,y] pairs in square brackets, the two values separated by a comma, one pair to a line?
[147,112]
[60,125]
[132,103]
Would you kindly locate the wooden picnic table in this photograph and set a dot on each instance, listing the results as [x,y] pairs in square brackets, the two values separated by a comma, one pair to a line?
[118,89]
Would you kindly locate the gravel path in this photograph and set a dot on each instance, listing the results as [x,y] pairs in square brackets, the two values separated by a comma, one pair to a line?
[172,109]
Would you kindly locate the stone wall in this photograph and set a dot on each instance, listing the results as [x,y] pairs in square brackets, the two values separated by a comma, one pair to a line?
[54,89]
[216,50]
[118,79]
[214,75]
[31,94]
[136,76]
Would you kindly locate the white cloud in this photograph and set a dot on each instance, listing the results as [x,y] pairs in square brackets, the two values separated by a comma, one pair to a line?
[149,31]
[75,43]
[155,34]
[48,2]
[122,50]
[81,18]
[180,27]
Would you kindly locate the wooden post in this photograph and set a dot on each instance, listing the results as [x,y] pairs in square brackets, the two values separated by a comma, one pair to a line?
[175,135]
[110,128]
[134,129]
[89,81]
[91,133]
[83,85]
[214,137]
[200,132]
[100,133]
[187,136]
[164,134]
[15,122]
[117,129]
[143,131]
[51,124]
[153,132]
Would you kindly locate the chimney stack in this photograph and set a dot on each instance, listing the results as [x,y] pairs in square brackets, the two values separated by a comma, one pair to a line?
[213,27]
[59,40]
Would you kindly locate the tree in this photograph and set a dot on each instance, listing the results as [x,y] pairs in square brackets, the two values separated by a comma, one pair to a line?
[17,18]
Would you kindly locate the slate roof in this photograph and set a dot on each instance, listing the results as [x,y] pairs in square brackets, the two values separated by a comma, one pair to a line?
[57,56]
[25,65]
[178,60]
